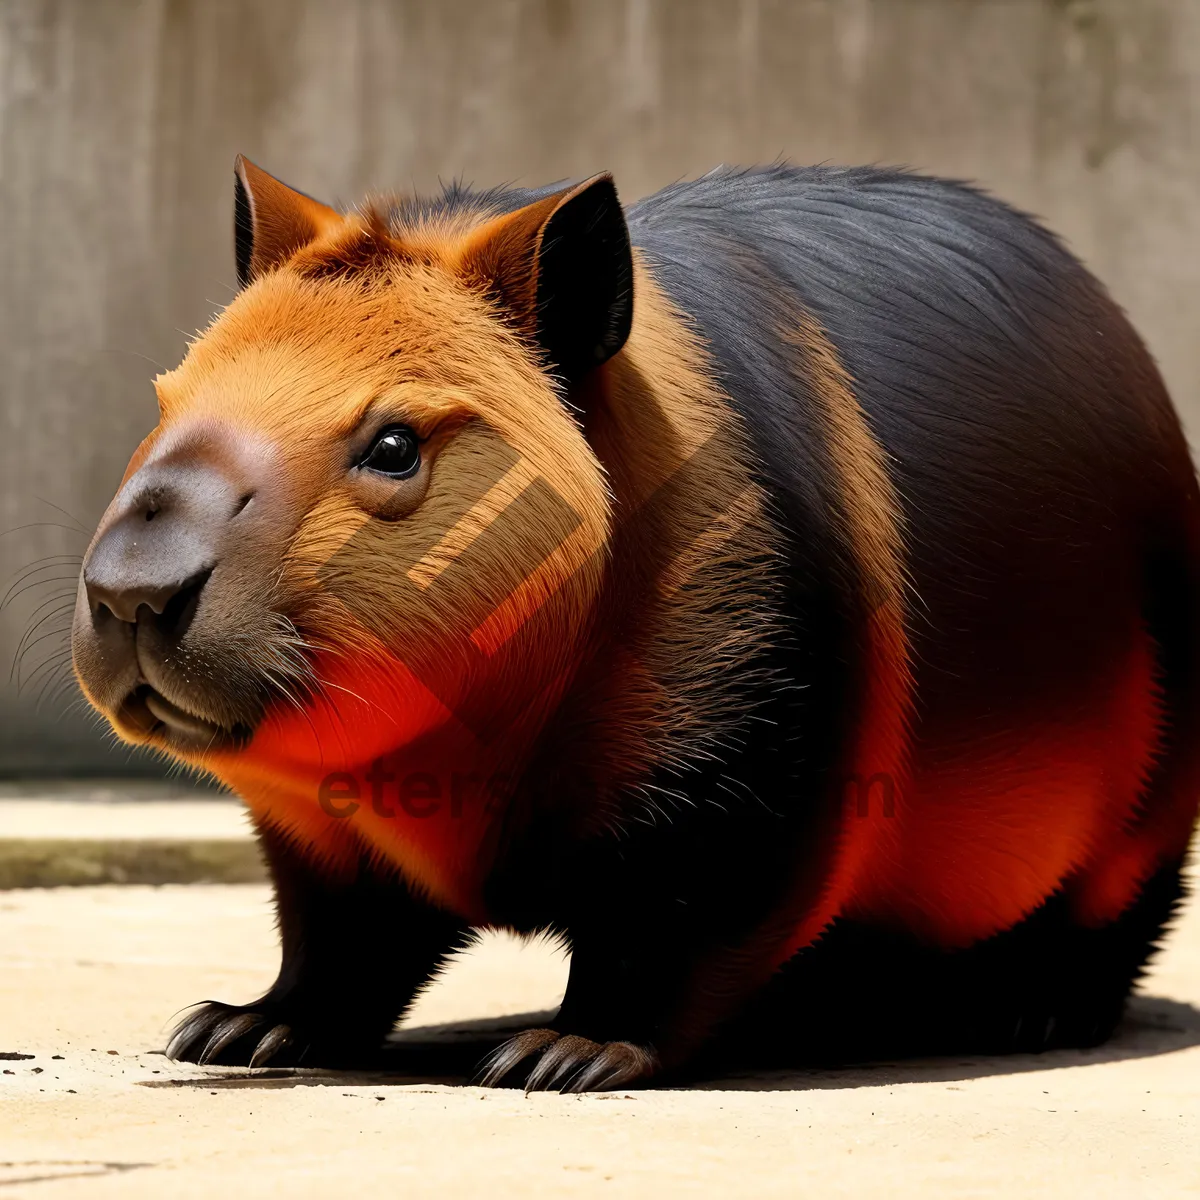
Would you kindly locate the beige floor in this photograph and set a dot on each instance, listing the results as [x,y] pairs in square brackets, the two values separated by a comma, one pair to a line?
[94,976]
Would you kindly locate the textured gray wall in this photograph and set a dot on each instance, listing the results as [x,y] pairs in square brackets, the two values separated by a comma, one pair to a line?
[119,120]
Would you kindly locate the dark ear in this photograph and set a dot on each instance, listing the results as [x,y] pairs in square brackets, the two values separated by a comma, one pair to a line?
[563,270]
[271,221]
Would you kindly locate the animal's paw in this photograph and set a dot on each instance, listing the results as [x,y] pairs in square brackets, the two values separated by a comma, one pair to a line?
[567,1063]
[231,1035]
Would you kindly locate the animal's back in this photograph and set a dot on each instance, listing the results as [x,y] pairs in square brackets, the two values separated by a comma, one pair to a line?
[1045,522]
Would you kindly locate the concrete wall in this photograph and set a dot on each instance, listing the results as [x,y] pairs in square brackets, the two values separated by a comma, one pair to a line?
[119,120]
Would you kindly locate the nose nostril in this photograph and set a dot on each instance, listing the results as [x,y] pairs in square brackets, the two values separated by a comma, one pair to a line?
[242,502]
[178,612]
[169,607]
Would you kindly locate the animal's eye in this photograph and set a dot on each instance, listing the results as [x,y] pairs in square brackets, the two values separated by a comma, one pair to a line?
[395,452]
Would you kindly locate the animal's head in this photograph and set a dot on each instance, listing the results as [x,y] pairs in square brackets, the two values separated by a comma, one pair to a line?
[369,487]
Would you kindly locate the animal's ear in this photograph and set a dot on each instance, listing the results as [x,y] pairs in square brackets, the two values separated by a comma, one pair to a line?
[271,221]
[562,269]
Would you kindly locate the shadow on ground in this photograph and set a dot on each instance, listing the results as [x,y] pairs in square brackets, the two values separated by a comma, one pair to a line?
[438,1054]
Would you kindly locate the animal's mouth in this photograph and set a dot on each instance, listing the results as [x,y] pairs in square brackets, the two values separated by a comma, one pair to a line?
[157,718]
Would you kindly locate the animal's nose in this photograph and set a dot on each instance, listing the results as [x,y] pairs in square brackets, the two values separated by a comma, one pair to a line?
[155,556]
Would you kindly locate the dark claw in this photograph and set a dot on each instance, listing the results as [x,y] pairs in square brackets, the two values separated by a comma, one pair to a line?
[569,1054]
[274,1040]
[511,1054]
[617,1064]
[224,1033]
[190,1030]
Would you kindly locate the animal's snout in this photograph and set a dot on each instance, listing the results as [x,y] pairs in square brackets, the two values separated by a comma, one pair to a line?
[157,553]
[175,598]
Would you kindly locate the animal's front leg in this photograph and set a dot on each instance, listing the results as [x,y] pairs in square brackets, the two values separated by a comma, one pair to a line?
[354,953]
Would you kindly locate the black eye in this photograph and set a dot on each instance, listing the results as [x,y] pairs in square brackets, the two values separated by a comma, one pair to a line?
[395,452]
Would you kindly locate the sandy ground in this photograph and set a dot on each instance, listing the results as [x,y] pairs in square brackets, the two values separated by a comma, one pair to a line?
[90,978]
